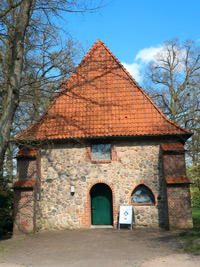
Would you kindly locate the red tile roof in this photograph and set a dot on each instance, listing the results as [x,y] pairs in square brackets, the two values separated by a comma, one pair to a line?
[101,99]
[24,183]
[177,180]
[172,147]
[27,152]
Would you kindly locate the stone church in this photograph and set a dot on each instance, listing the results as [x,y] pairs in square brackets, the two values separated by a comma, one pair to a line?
[101,143]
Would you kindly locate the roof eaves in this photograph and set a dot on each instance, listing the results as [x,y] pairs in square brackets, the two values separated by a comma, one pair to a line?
[107,136]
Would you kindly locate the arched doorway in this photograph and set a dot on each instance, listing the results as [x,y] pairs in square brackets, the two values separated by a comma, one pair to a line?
[101,205]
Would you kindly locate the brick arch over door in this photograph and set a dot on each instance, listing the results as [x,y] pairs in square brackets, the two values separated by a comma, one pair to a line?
[85,217]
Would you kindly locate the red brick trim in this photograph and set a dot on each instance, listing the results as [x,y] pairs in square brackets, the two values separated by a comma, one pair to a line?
[88,155]
[172,147]
[183,179]
[142,182]
[27,152]
[24,184]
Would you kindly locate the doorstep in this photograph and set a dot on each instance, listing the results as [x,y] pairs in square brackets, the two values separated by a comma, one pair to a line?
[101,227]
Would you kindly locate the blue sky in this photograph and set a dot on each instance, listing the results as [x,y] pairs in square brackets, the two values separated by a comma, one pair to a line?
[133,30]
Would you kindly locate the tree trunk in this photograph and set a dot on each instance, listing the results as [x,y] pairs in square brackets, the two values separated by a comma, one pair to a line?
[13,76]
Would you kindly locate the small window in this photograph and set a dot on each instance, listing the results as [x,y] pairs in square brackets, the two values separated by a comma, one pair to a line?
[101,151]
[142,195]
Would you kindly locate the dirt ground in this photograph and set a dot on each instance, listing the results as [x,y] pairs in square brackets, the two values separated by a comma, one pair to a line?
[97,247]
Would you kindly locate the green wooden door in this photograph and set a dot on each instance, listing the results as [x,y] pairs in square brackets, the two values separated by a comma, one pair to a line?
[101,205]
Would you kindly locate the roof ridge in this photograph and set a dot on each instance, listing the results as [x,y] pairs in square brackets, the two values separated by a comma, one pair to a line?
[87,55]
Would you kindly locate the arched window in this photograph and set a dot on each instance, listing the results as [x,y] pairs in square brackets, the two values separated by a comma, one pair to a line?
[142,195]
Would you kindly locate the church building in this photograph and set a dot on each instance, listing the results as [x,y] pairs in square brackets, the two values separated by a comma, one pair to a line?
[101,143]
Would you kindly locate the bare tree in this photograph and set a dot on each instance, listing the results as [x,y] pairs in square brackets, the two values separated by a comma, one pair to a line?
[172,80]
[43,75]
[17,19]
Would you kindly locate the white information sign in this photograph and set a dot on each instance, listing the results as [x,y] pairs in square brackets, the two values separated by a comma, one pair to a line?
[126,214]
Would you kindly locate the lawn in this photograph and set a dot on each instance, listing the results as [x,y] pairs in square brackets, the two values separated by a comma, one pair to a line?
[191,239]
[196,217]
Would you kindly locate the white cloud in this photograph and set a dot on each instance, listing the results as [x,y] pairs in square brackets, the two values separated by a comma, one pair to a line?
[134,70]
[147,54]
[143,57]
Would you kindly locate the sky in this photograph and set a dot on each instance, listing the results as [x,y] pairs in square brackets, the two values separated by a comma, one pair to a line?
[135,30]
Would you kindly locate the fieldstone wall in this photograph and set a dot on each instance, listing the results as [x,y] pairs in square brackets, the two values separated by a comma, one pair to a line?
[66,165]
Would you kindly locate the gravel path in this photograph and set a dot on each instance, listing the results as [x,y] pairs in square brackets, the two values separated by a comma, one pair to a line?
[102,247]
[174,260]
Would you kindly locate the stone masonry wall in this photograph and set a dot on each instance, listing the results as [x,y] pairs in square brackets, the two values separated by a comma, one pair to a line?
[66,165]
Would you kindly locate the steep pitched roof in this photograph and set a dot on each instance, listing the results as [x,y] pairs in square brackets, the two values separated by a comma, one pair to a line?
[101,99]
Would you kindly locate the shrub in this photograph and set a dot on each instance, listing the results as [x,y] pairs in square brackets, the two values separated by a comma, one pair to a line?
[195,197]
[6,214]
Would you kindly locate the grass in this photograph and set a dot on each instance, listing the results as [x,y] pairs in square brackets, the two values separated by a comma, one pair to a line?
[191,239]
[196,217]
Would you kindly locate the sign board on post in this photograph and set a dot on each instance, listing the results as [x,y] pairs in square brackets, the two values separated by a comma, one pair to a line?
[126,215]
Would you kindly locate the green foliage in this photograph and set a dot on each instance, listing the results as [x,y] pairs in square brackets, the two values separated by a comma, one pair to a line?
[193,172]
[196,217]
[195,197]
